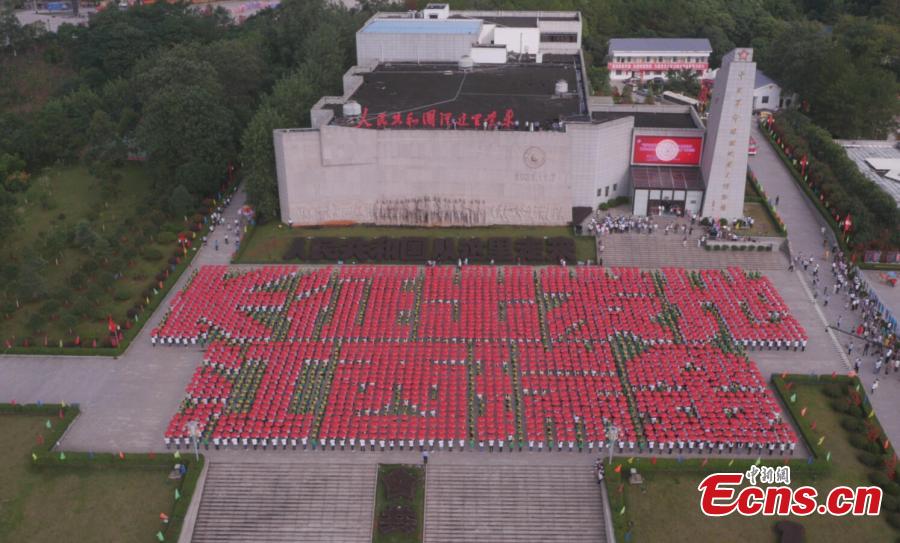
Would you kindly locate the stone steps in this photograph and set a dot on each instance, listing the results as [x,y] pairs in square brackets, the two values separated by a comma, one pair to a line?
[248,502]
[657,251]
[513,503]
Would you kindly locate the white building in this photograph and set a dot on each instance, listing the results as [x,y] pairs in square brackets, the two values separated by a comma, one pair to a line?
[767,95]
[651,58]
[418,139]
[438,34]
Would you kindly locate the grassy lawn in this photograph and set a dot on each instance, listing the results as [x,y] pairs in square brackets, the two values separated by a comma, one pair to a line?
[390,494]
[77,504]
[762,225]
[52,207]
[267,243]
[666,506]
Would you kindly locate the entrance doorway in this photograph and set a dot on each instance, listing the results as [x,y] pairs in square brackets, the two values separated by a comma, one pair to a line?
[666,207]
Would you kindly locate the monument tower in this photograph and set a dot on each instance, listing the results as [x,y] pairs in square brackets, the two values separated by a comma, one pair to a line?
[724,161]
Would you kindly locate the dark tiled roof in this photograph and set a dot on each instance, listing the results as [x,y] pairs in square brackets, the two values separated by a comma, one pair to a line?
[527,89]
[647,119]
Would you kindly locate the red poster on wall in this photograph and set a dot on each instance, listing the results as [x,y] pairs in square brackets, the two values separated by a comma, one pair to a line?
[666,150]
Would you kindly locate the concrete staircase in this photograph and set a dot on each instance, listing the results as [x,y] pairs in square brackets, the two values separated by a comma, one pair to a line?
[248,502]
[658,250]
[513,503]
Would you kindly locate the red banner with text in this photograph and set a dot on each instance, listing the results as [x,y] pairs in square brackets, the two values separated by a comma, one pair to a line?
[659,150]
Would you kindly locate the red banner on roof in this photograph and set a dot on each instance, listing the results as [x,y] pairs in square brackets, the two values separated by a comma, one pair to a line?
[660,150]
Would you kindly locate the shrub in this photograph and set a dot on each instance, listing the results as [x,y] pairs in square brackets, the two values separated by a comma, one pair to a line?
[841,405]
[892,488]
[860,442]
[890,504]
[122,294]
[152,255]
[893,519]
[833,390]
[166,237]
[871,460]
[879,478]
[852,424]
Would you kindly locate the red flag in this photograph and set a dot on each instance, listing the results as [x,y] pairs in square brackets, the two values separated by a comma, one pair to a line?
[653,460]
[848,223]
[705,461]
[110,324]
[784,375]
[618,469]
[40,439]
[812,426]
[121,455]
[834,375]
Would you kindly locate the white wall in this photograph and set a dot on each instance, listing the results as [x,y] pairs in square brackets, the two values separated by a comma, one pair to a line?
[488,55]
[518,40]
[770,91]
[600,159]
[378,47]
[344,174]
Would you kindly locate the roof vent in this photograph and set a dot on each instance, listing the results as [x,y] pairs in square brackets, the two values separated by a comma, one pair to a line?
[352,109]
[562,87]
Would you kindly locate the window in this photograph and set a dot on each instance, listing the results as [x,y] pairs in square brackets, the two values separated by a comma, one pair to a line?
[618,72]
[432,16]
[559,37]
[607,192]
[615,187]
[765,99]
[599,192]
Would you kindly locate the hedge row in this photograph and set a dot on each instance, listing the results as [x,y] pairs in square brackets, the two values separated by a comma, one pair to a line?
[836,184]
[420,249]
[43,456]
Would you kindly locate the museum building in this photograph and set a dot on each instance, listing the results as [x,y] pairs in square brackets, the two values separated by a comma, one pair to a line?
[486,117]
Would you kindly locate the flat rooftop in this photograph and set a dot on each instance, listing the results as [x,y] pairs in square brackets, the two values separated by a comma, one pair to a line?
[659,45]
[648,119]
[666,178]
[517,21]
[421,26]
[527,89]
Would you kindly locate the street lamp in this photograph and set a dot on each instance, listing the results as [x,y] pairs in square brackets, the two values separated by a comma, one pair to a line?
[612,433]
[194,431]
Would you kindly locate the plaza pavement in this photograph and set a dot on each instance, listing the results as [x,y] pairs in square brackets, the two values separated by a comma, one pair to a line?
[804,224]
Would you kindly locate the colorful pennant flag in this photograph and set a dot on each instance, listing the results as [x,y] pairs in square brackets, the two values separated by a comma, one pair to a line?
[793,397]
[803,412]
[821,440]
[160,536]
[34,457]
[177,495]
[622,511]
[62,455]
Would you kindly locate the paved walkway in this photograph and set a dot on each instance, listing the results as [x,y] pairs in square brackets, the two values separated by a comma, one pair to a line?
[804,224]
[126,402]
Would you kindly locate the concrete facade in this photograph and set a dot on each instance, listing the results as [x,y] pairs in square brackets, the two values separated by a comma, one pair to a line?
[724,160]
[341,174]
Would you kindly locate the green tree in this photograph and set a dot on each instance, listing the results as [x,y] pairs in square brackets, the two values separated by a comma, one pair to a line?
[181,203]
[187,134]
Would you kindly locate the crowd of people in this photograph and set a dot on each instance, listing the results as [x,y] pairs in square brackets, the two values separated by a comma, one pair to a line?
[872,333]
